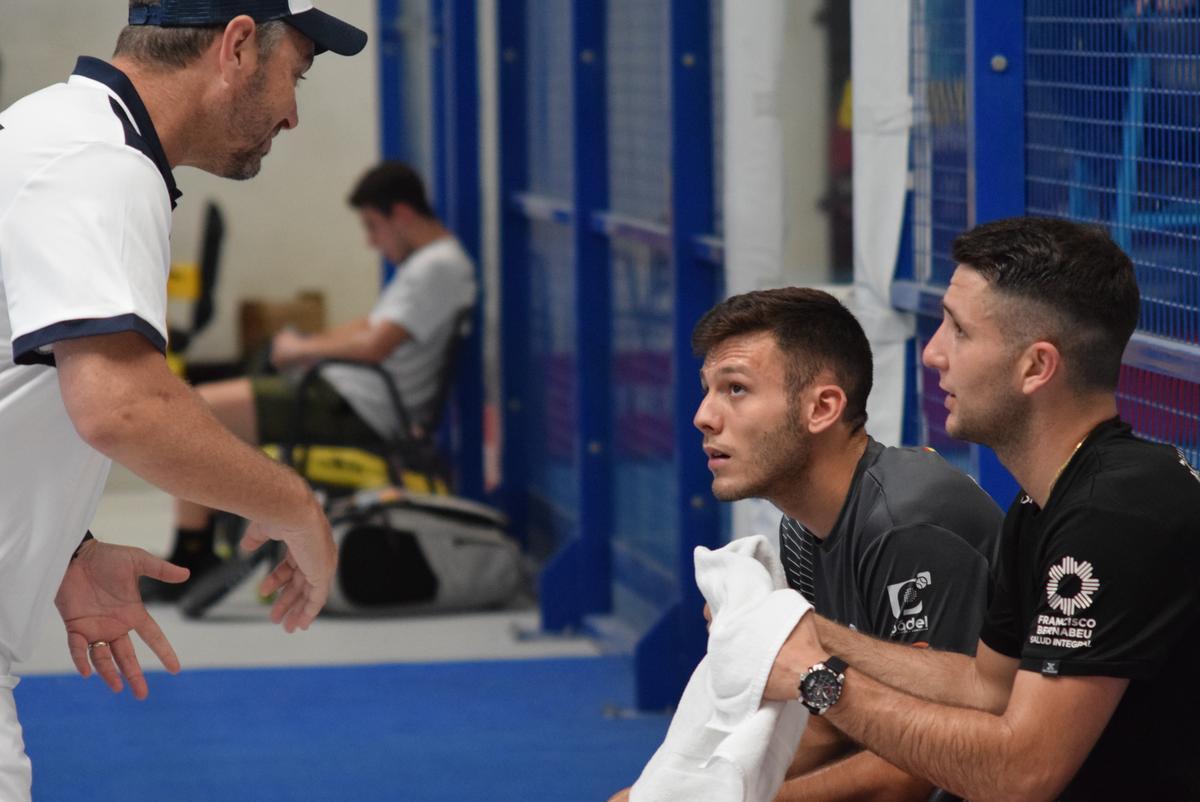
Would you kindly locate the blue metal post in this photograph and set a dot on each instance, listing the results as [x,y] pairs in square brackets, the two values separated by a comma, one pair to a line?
[996,109]
[458,174]
[578,581]
[996,116]
[391,93]
[439,64]
[668,654]
[391,80]
[514,258]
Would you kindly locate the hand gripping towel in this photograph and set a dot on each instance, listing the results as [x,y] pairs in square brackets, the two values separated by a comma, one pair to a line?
[724,743]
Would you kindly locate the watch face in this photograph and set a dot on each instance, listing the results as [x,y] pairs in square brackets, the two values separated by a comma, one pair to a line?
[821,688]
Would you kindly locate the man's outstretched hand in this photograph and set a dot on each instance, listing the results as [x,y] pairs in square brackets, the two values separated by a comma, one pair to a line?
[303,577]
[100,604]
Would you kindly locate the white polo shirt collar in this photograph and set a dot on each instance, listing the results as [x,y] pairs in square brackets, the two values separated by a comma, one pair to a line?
[128,106]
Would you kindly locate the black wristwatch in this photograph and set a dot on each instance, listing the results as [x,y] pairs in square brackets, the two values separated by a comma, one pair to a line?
[821,685]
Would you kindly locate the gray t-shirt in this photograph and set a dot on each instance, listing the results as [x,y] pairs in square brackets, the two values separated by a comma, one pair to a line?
[908,559]
[425,295]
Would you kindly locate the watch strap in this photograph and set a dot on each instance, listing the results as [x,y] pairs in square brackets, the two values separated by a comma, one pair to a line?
[837,665]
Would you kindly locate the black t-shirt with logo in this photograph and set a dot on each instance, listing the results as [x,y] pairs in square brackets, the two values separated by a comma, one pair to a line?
[908,558]
[1105,581]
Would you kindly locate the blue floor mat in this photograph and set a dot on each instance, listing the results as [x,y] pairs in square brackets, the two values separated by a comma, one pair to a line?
[525,730]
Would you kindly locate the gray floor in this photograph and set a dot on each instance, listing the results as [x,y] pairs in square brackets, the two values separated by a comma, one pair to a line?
[135,513]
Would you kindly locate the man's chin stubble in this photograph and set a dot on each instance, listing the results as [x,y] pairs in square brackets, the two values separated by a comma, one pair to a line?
[735,494]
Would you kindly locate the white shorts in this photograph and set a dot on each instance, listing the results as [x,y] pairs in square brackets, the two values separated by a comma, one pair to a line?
[16,773]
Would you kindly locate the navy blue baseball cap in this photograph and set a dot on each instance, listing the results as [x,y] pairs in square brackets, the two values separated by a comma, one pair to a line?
[327,31]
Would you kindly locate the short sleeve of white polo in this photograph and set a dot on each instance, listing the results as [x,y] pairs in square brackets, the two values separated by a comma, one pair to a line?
[87,251]
[428,290]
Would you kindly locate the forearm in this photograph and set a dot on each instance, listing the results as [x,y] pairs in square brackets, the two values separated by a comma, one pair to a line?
[858,778]
[131,408]
[350,341]
[348,327]
[969,752]
[177,444]
[947,677]
[821,743]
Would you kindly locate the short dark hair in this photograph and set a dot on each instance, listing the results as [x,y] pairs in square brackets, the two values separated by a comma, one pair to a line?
[176,48]
[811,327]
[1068,283]
[387,184]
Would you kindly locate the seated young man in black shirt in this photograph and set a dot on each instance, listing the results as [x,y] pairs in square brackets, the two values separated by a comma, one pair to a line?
[1083,685]
[892,541]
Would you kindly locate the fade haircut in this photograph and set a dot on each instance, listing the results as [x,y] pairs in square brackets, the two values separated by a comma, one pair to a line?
[1063,282]
[390,183]
[176,48]
[812,329]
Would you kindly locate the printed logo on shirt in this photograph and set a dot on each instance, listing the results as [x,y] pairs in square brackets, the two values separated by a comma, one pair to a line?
[1071,585]
[1050,667]
[907,604]
[905,597]
[1063,632]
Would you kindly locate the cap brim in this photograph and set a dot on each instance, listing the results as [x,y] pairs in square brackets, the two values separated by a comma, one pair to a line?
[328,32]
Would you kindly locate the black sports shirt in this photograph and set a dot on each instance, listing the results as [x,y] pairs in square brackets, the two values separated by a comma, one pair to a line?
[1105,581]
[908,558]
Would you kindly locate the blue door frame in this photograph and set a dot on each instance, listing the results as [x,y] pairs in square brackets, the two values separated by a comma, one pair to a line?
[455,185]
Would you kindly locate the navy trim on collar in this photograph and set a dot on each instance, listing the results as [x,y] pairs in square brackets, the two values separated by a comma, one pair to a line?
[147,142]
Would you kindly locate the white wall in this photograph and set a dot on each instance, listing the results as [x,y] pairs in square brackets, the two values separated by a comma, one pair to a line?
[289,228]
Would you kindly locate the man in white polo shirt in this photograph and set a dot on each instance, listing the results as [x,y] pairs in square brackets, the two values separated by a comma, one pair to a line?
[408,334]
[86,194]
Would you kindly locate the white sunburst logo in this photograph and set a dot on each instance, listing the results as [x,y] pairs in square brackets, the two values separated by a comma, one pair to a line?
[1071,586]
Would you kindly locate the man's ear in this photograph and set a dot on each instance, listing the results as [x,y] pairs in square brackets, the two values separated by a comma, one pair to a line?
[238,54]
[401,213]
[1039,364]
[823,406]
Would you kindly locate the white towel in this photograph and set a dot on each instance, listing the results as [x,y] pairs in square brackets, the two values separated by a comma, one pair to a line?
[724,743]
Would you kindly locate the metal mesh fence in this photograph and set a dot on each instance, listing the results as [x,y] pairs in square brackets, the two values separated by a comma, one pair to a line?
[933,405]
[1113,138]
[645,526]
[553,461]
[638,110]
[548,33]
[939,140]
[1161,408]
